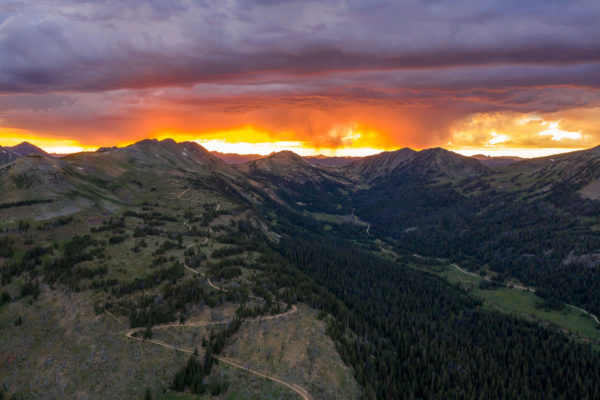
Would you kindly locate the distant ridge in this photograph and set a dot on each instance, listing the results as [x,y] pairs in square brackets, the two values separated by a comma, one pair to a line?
[233,158]
[11,153]
[277,162]
[27,149]
[430,162]
[321,160]
[496,161]
[325,161]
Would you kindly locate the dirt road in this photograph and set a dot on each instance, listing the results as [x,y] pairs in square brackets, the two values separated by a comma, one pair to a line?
[303,393]
[130,334]
[528,289]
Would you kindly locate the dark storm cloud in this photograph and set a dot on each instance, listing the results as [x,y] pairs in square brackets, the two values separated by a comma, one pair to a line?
[100,71]
[102,45]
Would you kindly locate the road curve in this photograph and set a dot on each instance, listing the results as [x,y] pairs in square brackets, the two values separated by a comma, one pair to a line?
[234,363]
[182,193]
[212,285]
[130,332]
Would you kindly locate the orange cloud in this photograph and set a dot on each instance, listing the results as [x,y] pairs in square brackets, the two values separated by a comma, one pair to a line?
[517,130]
[308,124]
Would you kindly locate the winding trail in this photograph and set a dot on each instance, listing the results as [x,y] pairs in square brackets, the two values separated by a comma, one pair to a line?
[525,288]
[182,193]
[212,285]
[130,334]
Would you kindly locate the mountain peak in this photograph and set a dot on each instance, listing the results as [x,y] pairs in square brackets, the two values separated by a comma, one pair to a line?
[439,161]
[286,156]
[437,150]
[280,161]
[440,151]
[9,154]
[27,149]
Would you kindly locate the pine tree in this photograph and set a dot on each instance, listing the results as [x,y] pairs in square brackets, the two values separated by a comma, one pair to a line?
[148,332]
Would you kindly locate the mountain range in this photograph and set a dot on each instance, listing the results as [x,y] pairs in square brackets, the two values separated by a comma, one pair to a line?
[297,274]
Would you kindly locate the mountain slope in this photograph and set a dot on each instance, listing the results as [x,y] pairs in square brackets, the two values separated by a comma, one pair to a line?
[579,171]
[156,220]
[292,180]
[382,164]
[439,162]
[112,178]
[232,158]
[424,164]
[7,155]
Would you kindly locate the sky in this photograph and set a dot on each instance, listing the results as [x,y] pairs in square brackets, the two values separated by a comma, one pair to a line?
[332,77]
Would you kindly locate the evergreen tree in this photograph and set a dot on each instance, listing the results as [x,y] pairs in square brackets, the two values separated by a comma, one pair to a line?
[148,332]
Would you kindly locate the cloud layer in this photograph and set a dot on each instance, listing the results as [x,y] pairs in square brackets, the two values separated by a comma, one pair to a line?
[403,73]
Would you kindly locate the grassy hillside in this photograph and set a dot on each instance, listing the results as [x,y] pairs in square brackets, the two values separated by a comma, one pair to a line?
[128,257]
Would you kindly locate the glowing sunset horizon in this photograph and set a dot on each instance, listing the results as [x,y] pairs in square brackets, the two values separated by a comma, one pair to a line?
[266,148]
[333,78]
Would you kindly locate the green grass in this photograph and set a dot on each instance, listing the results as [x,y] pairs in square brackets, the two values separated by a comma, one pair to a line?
[522,304]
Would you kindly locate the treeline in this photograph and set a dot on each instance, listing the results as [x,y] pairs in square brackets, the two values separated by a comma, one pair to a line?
[22,203]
